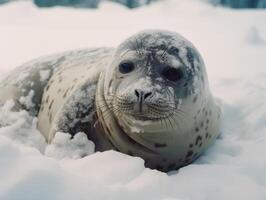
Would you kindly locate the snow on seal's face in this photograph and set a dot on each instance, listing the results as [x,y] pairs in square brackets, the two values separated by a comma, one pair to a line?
[152,75]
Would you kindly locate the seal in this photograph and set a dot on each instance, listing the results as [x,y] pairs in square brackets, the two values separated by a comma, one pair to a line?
[149,97]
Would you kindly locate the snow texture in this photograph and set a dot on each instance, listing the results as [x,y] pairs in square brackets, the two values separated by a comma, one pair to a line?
[44,75]
[65,147]
[232,44]
[27,100]
[20,127]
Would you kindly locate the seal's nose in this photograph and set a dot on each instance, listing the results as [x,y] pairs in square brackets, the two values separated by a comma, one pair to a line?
[141,96]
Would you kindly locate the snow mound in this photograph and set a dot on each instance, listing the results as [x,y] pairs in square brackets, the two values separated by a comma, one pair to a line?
[65,147]
[20,127]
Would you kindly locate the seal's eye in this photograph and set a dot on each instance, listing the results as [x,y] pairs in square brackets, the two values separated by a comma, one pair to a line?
[172,74]
[126,67]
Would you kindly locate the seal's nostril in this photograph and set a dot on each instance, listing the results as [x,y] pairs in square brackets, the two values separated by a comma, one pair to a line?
[142,95]
[147,95]
[137,93]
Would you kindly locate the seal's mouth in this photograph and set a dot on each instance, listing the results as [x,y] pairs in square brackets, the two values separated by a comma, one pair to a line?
[147,117]
[142,117]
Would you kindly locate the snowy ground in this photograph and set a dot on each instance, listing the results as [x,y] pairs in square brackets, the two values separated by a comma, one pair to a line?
[233,44]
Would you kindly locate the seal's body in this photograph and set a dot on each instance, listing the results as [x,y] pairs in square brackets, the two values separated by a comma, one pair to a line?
[149,97]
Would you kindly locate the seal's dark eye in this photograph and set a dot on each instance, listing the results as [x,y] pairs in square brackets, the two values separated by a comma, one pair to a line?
[172,74]
[126,67]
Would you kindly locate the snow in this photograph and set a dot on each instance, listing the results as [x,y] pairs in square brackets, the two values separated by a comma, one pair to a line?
[20,127]
[44,75]
[63,146]
[233,46]
[27,100]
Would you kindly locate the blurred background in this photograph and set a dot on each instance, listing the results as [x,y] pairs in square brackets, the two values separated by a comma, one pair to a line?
[218,28]
[137,3]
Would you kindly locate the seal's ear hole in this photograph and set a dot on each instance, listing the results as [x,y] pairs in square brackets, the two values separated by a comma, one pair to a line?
[172,74]
[126,67]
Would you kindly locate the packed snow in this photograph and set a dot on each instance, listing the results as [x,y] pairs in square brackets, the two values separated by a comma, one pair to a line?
[233,45]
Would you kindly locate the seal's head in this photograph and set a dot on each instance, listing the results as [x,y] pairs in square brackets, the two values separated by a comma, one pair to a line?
[149,86]
[152,74]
